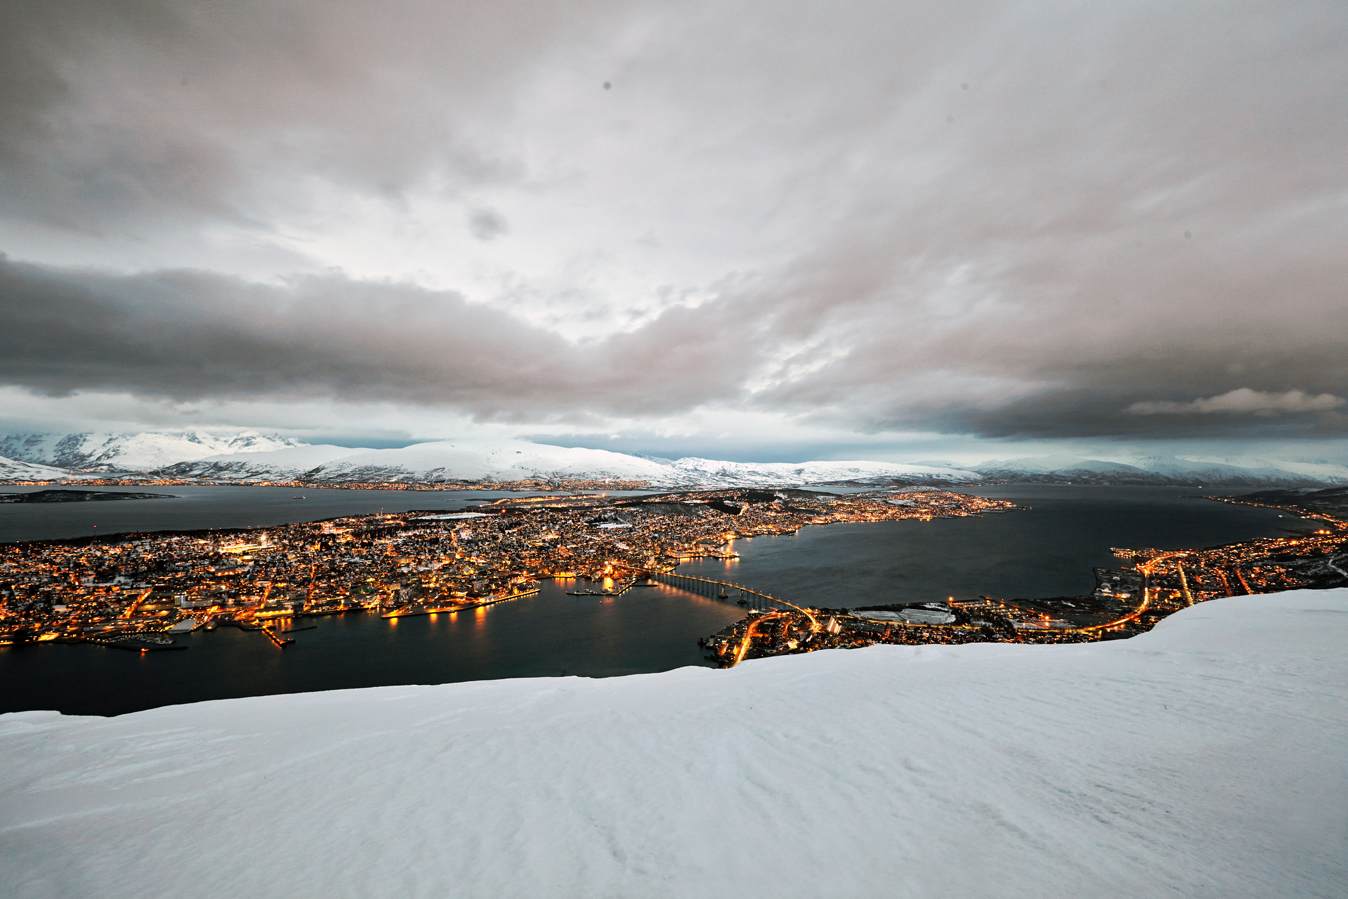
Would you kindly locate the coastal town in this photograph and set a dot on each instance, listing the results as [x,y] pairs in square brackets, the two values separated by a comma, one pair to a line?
[138,591]
[1126,601]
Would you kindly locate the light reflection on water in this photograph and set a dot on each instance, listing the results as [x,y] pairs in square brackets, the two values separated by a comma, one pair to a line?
[201,508]
[1045,551]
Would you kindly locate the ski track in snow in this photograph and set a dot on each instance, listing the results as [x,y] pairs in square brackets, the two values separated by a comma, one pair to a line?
[1205,758]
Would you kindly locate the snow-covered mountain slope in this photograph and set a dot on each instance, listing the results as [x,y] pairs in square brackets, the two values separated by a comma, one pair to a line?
[801,473]
[1054,464]
[134,452]
[1160,470]
[508,461]
[1202,759]
[517,460]
[1322,471]
[12,470]
[290,463]
[438,462]
[254,457]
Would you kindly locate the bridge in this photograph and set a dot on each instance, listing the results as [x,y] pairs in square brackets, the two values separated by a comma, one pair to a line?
[751,598]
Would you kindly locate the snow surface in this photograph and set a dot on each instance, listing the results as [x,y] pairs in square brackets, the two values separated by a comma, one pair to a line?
[518,460]
[134,452]
[802,473]
[1236,472]
[12,470]
[506,461]
[245,456]
[913,616]
[1206,758]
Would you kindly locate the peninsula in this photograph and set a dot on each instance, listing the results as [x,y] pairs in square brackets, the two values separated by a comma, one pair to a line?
[76,496]
[130,590]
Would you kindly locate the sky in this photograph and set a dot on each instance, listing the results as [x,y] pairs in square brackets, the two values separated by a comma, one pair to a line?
[769,231]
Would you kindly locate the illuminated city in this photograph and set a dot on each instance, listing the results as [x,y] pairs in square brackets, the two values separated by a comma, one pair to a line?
[137,591]
[1125,602]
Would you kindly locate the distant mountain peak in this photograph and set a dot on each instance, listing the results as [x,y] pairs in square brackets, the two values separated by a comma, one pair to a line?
[88,451]
[242,456]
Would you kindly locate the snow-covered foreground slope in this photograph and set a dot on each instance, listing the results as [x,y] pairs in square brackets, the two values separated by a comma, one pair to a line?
[1206,758]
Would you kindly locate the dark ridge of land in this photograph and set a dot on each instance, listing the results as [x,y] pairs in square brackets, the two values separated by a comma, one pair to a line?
[76,496]
[1333,501]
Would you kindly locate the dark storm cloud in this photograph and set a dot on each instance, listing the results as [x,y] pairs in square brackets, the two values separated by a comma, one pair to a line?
[185,335]
[1010,220]
[123,114]
[1225,347]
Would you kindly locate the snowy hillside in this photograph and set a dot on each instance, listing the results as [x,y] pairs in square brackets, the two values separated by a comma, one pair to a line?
[133,452]
[290,463]
[1205,758]
[10,470]
[425,463]
[1164,470]
[508,461]
[517,460]
[252,457]
[791,473]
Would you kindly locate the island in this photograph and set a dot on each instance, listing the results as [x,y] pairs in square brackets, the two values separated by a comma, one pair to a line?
[76,496]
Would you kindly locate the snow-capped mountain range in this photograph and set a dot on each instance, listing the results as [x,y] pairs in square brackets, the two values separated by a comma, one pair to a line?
[1164,470]
[251,457]
[446,462]
[133,452]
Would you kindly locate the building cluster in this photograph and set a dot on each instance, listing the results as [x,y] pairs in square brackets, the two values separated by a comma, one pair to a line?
[137,590]
[410,482]
[131,590]
[1125,602]
[1318,559]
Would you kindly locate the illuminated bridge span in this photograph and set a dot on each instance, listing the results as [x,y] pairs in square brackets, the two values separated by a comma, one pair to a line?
[753,599]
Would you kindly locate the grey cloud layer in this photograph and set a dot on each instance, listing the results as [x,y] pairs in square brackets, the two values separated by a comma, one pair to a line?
[187,335]
[191,335]
[1019,220]
[131,113]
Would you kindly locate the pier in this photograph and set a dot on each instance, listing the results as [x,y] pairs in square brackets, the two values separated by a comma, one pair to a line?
[617,591]
[281,642]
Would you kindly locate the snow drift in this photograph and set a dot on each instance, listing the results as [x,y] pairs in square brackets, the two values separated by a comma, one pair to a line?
[1205,758]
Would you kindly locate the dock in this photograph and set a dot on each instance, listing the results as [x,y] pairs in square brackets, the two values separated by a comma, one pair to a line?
[414,610]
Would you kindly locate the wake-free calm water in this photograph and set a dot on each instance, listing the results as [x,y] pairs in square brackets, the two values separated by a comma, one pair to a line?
[1047,550]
